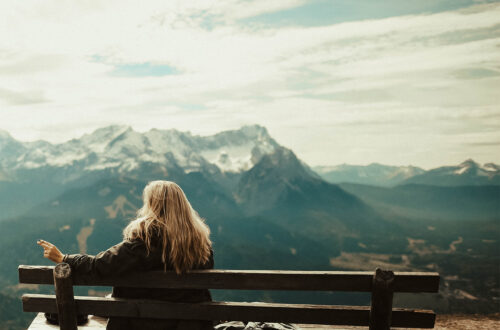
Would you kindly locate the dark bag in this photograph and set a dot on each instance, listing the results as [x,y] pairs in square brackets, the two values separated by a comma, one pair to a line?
[235,325]
[53,318]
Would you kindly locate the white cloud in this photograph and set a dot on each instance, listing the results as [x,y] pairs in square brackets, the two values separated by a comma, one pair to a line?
[340,84]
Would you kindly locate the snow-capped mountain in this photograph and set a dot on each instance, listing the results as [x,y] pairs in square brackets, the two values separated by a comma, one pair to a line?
[468,173]
[123,150]
[372,174]
[9,149]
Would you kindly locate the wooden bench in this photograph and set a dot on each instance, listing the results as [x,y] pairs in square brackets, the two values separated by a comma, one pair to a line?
[380,315]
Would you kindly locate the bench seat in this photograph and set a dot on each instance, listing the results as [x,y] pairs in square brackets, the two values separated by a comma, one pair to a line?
[380,315]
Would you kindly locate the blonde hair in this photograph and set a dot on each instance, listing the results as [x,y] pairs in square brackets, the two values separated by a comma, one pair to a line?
[168,216]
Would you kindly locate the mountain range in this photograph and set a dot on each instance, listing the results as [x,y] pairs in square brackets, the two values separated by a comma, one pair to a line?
[34,172]
[468,173]
[121,150]
[372,174]
[267,209]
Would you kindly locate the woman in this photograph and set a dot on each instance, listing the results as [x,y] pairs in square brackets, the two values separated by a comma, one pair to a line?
[167,234]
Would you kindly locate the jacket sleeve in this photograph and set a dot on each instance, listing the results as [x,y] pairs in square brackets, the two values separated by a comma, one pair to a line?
[118,259]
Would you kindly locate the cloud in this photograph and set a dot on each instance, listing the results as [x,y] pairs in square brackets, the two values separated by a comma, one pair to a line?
[476,73]
[193,65]
[16,64]
[21,98]
[484,144]
[143,70]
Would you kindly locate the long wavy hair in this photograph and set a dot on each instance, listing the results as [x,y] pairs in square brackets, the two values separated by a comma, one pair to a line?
[168,216]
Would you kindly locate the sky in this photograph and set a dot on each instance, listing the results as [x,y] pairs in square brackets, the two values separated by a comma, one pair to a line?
[337,81]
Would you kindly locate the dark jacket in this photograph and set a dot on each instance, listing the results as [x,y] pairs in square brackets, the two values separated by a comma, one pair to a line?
[132,256]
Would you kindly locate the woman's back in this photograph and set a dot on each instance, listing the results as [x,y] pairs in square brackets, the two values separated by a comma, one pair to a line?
[130,257]
[168,234]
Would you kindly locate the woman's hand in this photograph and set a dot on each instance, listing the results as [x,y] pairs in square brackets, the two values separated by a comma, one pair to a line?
[50,251]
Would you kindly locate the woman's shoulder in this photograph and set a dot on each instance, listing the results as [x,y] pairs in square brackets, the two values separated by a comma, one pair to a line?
[135,245]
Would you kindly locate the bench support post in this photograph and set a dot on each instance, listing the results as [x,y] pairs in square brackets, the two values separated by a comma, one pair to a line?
[65,299]
[381,304]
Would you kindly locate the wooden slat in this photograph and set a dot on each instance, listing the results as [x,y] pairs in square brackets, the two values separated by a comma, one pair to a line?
[36,274]
[413,318]
[248,280]
[310,314]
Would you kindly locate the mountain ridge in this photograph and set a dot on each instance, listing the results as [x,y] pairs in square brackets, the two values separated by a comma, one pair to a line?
[124,150]
[465,174]
[374,173]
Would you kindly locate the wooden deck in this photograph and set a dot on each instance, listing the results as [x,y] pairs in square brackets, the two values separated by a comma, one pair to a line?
[443,322]
[96,322]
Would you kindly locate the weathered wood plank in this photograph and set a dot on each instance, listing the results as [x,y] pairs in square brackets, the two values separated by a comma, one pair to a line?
[417,318]
[310,314]
[249,280]
[36,274]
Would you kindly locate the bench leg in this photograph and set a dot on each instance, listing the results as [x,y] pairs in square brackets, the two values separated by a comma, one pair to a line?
[65,298]
[381,304]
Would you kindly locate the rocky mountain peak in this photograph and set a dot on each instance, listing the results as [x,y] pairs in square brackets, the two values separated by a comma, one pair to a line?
[106,133]
[469,163]
[9,147]
[4,134]
[282,163]
[254,131]
[491,167]
[120,148]
[468,166]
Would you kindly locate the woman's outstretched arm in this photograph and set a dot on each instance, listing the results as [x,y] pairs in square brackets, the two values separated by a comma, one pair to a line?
[123,257]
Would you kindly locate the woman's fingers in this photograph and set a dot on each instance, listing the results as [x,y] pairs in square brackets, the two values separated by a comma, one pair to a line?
[41,242]
[44,243]
[50,251]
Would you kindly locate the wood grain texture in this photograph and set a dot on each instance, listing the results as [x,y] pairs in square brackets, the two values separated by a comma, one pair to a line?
[248,280]
[310,314]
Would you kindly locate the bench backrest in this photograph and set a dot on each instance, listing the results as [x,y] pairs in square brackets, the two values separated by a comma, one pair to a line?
[380,315]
